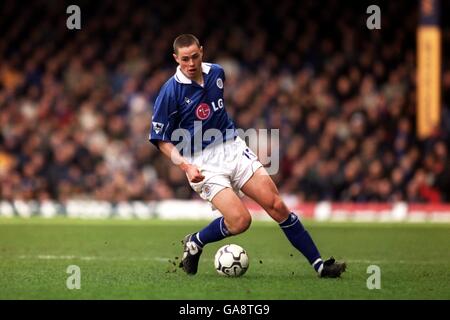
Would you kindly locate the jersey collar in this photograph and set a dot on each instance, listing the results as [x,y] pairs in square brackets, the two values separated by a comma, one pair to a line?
[181,78]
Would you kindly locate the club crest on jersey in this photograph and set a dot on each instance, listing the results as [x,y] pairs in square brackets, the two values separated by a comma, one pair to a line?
[157,127]
[219,83]
[187,100]
[207,190]
[203,111]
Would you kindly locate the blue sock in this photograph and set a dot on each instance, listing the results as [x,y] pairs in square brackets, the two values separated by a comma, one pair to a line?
[213,232]
[301,240]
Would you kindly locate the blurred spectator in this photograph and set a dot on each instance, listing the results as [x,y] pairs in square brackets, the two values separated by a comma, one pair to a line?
[75,106]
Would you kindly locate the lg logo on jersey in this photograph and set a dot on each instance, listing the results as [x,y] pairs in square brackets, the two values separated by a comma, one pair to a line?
[203,110]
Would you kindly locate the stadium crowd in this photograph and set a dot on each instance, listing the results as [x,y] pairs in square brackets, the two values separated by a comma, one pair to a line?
[75,105]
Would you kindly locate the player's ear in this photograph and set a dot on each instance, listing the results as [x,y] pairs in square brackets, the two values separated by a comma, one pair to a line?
[175,57]
[201,51]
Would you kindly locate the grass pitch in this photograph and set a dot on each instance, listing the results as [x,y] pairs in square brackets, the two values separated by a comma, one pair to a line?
[139,259]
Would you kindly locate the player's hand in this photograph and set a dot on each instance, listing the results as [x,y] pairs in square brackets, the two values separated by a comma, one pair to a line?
[193,173]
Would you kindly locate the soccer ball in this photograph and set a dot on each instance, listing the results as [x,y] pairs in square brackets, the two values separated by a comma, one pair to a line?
[231,260]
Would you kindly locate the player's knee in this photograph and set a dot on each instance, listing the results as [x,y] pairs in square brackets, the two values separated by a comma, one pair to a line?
[240,224]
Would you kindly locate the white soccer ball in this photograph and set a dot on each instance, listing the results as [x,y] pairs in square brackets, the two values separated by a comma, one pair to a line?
[231,260]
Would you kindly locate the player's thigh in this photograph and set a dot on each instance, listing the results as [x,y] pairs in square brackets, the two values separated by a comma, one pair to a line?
[236,215]
[261,188]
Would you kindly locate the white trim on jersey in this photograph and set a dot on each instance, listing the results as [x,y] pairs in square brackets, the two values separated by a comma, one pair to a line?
[181,78]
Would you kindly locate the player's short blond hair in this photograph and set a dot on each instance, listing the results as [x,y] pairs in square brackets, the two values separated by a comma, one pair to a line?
[185,40]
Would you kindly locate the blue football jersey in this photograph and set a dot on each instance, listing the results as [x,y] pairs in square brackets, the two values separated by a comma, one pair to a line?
[184,104]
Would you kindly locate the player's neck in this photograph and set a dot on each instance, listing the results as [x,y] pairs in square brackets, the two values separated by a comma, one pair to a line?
[199,79]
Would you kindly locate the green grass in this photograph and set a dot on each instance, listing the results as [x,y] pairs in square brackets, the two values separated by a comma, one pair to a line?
[130,260]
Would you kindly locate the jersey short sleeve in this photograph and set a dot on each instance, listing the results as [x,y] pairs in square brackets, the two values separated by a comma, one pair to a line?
[164,116]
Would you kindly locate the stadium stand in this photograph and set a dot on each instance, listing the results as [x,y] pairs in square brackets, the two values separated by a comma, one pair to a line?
[75,106]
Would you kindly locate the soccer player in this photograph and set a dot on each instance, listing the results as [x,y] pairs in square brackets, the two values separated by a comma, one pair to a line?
[219,165]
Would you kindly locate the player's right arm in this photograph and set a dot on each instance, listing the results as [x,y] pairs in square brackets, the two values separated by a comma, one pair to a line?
[164,120]
[171,152]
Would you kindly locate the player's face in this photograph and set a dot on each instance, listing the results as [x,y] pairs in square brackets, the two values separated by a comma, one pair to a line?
[190,60]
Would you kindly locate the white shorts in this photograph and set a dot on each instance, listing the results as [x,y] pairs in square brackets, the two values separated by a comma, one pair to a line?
[227,165]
